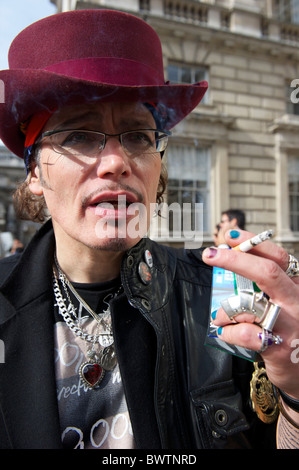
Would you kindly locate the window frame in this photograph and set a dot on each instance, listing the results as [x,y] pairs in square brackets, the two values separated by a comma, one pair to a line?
[193,69]
[202,151]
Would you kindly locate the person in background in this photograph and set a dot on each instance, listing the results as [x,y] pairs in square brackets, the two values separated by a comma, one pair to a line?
[232,219]
[218,237]
[215,234]
[17,247]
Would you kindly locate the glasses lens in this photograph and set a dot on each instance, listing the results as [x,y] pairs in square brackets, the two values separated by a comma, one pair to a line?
[161,141]
[144,141]
[82,143]
[78,142]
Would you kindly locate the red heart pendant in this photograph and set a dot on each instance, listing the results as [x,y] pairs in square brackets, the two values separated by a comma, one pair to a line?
[92,374]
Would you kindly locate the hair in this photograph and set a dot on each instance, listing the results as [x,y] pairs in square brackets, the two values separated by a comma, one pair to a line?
[29,206]
[236,214]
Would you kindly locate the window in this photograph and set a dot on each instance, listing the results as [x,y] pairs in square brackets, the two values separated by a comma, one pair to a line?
[187,75]
[286,11]
[293,181]
[188,188]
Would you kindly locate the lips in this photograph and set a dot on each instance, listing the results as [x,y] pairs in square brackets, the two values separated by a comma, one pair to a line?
[112,205]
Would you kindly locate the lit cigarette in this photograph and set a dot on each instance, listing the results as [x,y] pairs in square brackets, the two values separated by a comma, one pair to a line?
[249,244]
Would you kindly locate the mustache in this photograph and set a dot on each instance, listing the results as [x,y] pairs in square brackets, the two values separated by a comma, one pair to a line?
[113,188]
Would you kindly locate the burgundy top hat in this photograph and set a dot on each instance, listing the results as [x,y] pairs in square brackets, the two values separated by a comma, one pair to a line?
[87,55]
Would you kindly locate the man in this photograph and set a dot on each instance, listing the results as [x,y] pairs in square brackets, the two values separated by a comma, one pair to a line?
[104,330]
[231,219]
[218,237]
[215,234]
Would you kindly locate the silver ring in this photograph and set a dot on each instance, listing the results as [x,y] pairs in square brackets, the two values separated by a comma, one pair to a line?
[252,302]
[268,338]
[293,267]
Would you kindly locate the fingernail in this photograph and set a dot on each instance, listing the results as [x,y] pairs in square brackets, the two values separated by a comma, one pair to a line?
[213,314]
[211,252]
[234,234]
[219,331]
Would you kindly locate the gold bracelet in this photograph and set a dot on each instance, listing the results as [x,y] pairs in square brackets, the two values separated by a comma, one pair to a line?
[283,410]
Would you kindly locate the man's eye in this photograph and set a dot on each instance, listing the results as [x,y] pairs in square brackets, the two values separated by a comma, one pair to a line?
[77,138]
[141,138]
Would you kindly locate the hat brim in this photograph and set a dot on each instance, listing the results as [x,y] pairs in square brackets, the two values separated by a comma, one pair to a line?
[27,92]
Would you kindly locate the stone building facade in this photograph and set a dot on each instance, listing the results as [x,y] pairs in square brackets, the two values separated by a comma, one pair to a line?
[240,147]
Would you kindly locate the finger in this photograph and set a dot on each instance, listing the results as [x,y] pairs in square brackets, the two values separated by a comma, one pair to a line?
[267,249]
[220,318]
[241,334]
[249,337]
[270,278]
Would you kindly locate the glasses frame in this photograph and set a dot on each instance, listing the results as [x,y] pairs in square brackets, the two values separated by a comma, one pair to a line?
[119,135]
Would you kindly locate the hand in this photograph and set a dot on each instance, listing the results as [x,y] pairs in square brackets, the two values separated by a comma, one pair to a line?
[265,265]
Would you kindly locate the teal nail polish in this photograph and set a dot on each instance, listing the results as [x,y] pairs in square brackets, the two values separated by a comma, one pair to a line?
[219,331]
[213,314]
[234,234]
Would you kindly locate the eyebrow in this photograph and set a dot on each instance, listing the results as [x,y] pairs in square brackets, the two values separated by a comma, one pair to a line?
[95,116]
[76,119]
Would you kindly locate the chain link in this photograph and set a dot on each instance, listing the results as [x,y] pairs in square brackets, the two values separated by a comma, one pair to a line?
[66,315]
[100,318]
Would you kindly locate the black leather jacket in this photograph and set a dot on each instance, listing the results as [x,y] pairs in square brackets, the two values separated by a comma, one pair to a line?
[180,393]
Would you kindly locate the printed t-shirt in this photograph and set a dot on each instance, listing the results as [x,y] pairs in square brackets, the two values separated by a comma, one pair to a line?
[90,418]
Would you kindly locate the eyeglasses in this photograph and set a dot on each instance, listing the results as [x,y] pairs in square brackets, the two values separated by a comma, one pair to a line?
[81,143]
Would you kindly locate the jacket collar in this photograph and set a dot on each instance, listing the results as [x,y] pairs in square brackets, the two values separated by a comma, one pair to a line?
[147,283]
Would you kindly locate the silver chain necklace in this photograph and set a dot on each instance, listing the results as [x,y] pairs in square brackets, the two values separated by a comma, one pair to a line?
[92,371]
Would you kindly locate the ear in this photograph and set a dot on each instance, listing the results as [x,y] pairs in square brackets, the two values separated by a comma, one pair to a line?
[35,184]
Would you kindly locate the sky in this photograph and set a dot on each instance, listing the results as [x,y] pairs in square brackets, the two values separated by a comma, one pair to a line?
[15,15]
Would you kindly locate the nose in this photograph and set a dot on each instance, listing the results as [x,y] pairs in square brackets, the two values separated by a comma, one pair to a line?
[113,161]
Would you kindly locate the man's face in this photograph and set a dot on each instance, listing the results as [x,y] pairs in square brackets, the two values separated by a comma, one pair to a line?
[226,224]
[104,201]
